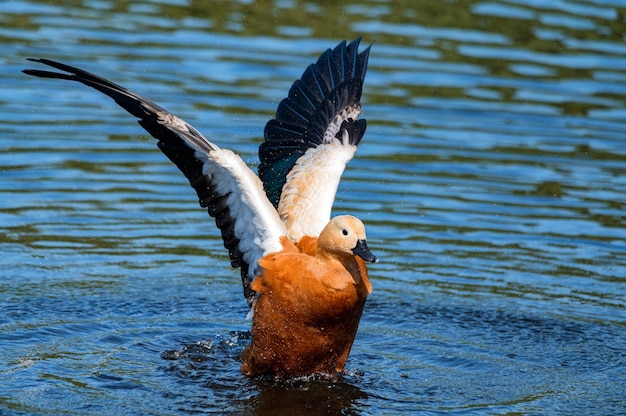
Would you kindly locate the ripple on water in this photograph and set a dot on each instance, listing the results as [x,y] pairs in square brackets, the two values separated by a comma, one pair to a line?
[491,180]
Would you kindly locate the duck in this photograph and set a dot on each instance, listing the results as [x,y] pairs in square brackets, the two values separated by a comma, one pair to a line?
[304,274]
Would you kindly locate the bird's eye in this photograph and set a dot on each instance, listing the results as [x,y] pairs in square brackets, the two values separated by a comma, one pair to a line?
[344,231]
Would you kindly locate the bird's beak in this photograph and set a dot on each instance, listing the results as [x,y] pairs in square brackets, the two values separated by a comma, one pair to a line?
[364,252]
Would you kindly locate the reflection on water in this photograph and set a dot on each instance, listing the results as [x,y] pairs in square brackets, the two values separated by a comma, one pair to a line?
[491,180]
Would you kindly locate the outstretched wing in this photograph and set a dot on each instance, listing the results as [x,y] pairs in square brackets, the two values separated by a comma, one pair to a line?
[225,185]
[314,135]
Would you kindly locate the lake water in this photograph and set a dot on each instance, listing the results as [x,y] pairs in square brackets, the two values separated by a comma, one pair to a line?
[492,181]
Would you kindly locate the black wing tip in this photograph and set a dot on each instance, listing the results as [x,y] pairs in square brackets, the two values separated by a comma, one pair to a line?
[39,60]
[46,74]
[55,64]
[361,57]
[330,85]
[334,71]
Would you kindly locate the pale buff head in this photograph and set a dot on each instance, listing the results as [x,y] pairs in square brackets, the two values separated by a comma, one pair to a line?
[344,236]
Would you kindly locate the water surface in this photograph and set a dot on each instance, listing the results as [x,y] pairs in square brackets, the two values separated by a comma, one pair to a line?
[492,181]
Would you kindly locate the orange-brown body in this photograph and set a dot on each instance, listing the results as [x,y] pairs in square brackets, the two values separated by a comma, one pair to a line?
[308,310]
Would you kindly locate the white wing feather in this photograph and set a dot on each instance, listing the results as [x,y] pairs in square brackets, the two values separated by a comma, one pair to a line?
[258,226]
[309,192]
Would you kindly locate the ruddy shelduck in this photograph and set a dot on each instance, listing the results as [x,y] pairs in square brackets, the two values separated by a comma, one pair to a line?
[304,274]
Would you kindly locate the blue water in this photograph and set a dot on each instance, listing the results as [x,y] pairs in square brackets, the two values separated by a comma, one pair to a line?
[491,180]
